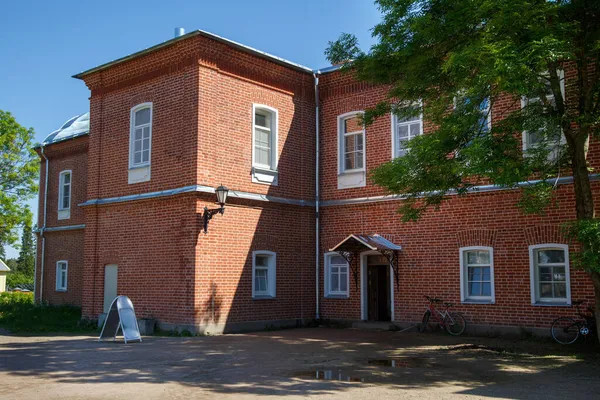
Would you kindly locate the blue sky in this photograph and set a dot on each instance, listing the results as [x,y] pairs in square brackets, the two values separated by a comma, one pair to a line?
[43,43]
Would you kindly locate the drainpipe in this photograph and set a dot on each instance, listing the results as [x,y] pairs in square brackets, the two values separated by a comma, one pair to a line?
[317,255]
[42,230]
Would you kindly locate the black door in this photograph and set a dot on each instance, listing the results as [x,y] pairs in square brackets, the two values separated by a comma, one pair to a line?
[378,293]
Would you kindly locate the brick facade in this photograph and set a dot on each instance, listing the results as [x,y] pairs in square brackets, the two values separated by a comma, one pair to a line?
[202,92]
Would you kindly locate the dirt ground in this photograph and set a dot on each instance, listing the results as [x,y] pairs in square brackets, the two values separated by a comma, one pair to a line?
[311,362]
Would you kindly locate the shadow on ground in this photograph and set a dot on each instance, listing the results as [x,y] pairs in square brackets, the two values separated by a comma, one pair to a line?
[306,362]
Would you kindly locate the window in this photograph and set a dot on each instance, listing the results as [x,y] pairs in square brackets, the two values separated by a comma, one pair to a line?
[141,135]
[64,195]
[485,121]
[264,144]
[550,281]
[263,274]
[532,139]
[352,136]
[61,276]
[336,275]
[404,129]
[477,274]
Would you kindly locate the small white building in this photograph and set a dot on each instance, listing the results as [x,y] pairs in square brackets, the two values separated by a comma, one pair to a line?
[3,271]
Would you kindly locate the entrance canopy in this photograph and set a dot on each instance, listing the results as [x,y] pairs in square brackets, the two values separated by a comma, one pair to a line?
[351,247]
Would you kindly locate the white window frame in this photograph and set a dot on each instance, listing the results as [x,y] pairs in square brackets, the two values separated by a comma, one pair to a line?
[328,292]
[395,123]
[132,127]
[274,137]
[64,212]
[534,278]
[526,100]
[271,275]
[59,287]
[487,111]
[464,277]
[342,146]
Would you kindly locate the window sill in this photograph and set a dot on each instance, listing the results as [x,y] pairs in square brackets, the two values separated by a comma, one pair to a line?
[139,174]
[337,296]
[351,172]
[64,214]
[263,297]
[551,304]
[264,176]
[61,290]
[488,302]
[352,179]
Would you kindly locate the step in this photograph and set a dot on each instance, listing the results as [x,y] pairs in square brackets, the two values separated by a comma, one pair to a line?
[375,326]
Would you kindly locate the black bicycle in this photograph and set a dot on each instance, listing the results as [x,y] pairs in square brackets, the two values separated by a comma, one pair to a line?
[567,330]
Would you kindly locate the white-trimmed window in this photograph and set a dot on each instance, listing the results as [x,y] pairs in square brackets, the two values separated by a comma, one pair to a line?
[64,195]
[534,139]
[485,121]
[263,274]
[265,123]
[337,277]
[403,130]
[477,274]
[550,277]
[62,268]
[352,142]
[141,135]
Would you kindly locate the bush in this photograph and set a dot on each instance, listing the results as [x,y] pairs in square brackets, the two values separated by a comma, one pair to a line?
[19,314]
[14,279]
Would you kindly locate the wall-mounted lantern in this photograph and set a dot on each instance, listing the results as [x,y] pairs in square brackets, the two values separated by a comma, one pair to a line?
[221,193]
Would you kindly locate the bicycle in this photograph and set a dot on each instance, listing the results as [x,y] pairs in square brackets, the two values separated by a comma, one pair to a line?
[566,330]
[453,322]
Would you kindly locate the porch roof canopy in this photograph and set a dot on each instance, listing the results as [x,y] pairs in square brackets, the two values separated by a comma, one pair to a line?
[359,243]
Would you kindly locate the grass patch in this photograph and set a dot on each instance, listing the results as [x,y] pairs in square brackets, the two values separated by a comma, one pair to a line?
[19,314]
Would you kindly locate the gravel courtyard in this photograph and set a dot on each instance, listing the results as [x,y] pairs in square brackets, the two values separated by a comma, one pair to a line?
[311,362]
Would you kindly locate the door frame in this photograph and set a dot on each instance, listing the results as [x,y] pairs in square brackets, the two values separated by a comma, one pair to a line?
[364,286]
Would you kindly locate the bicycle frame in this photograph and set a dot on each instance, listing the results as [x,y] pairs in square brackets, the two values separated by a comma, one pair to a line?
[435,312]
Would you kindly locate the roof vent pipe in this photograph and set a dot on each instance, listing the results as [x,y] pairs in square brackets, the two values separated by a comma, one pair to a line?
[179,32]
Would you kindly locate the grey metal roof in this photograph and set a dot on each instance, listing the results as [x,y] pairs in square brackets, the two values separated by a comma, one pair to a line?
[74,127]
[199,32]
[371,242]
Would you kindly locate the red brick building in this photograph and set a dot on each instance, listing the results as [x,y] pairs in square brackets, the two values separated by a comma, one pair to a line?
[123,190]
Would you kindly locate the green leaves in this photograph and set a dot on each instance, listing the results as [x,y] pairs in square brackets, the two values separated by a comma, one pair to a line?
[18,175]
[587,233]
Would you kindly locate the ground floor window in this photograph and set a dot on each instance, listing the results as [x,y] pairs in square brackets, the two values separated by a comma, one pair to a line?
[477,274]
[263,274]
[61,276]
[336,275]
[550,282]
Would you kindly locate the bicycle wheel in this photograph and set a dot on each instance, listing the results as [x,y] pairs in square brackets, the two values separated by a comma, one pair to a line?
[455,323]
[425,321]
[565,330]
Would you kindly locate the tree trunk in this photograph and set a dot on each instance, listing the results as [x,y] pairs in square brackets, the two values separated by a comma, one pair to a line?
[584,200]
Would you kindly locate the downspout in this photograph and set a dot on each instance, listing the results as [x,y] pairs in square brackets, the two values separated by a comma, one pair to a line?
[317,255]
[43,228]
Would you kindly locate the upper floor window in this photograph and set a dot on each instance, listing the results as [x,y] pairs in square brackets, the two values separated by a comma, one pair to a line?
[484,123]
[264,152]
[61,276]
[336,275]
[549,270]
[263,274]
[141,135]
[405,129]
[352,142]
[477,274]
[553,137]
[64,195]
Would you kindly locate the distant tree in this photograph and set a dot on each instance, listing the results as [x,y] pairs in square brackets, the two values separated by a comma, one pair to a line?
[18,175]
[13,264]
[451,59]
[26,260]
[2,252]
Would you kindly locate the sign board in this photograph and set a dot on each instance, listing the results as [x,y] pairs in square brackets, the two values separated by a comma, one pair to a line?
[121,315]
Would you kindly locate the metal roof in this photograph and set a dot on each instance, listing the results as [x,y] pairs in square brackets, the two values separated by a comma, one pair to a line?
[199,32]
[74,127]
[371,242]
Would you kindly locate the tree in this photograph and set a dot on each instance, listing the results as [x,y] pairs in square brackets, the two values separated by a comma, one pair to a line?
[449,59]
[18,175]
[26,260]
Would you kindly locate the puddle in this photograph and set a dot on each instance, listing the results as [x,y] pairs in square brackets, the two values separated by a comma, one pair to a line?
[327,375]
[406,362]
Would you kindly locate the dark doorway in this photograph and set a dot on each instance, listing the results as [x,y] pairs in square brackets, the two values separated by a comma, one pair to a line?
[378,292]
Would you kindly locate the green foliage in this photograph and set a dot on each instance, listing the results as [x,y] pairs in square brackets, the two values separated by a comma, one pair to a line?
[14,279]
[19,314]
[18,175]
[26,260]
[447,59]
[587,233]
